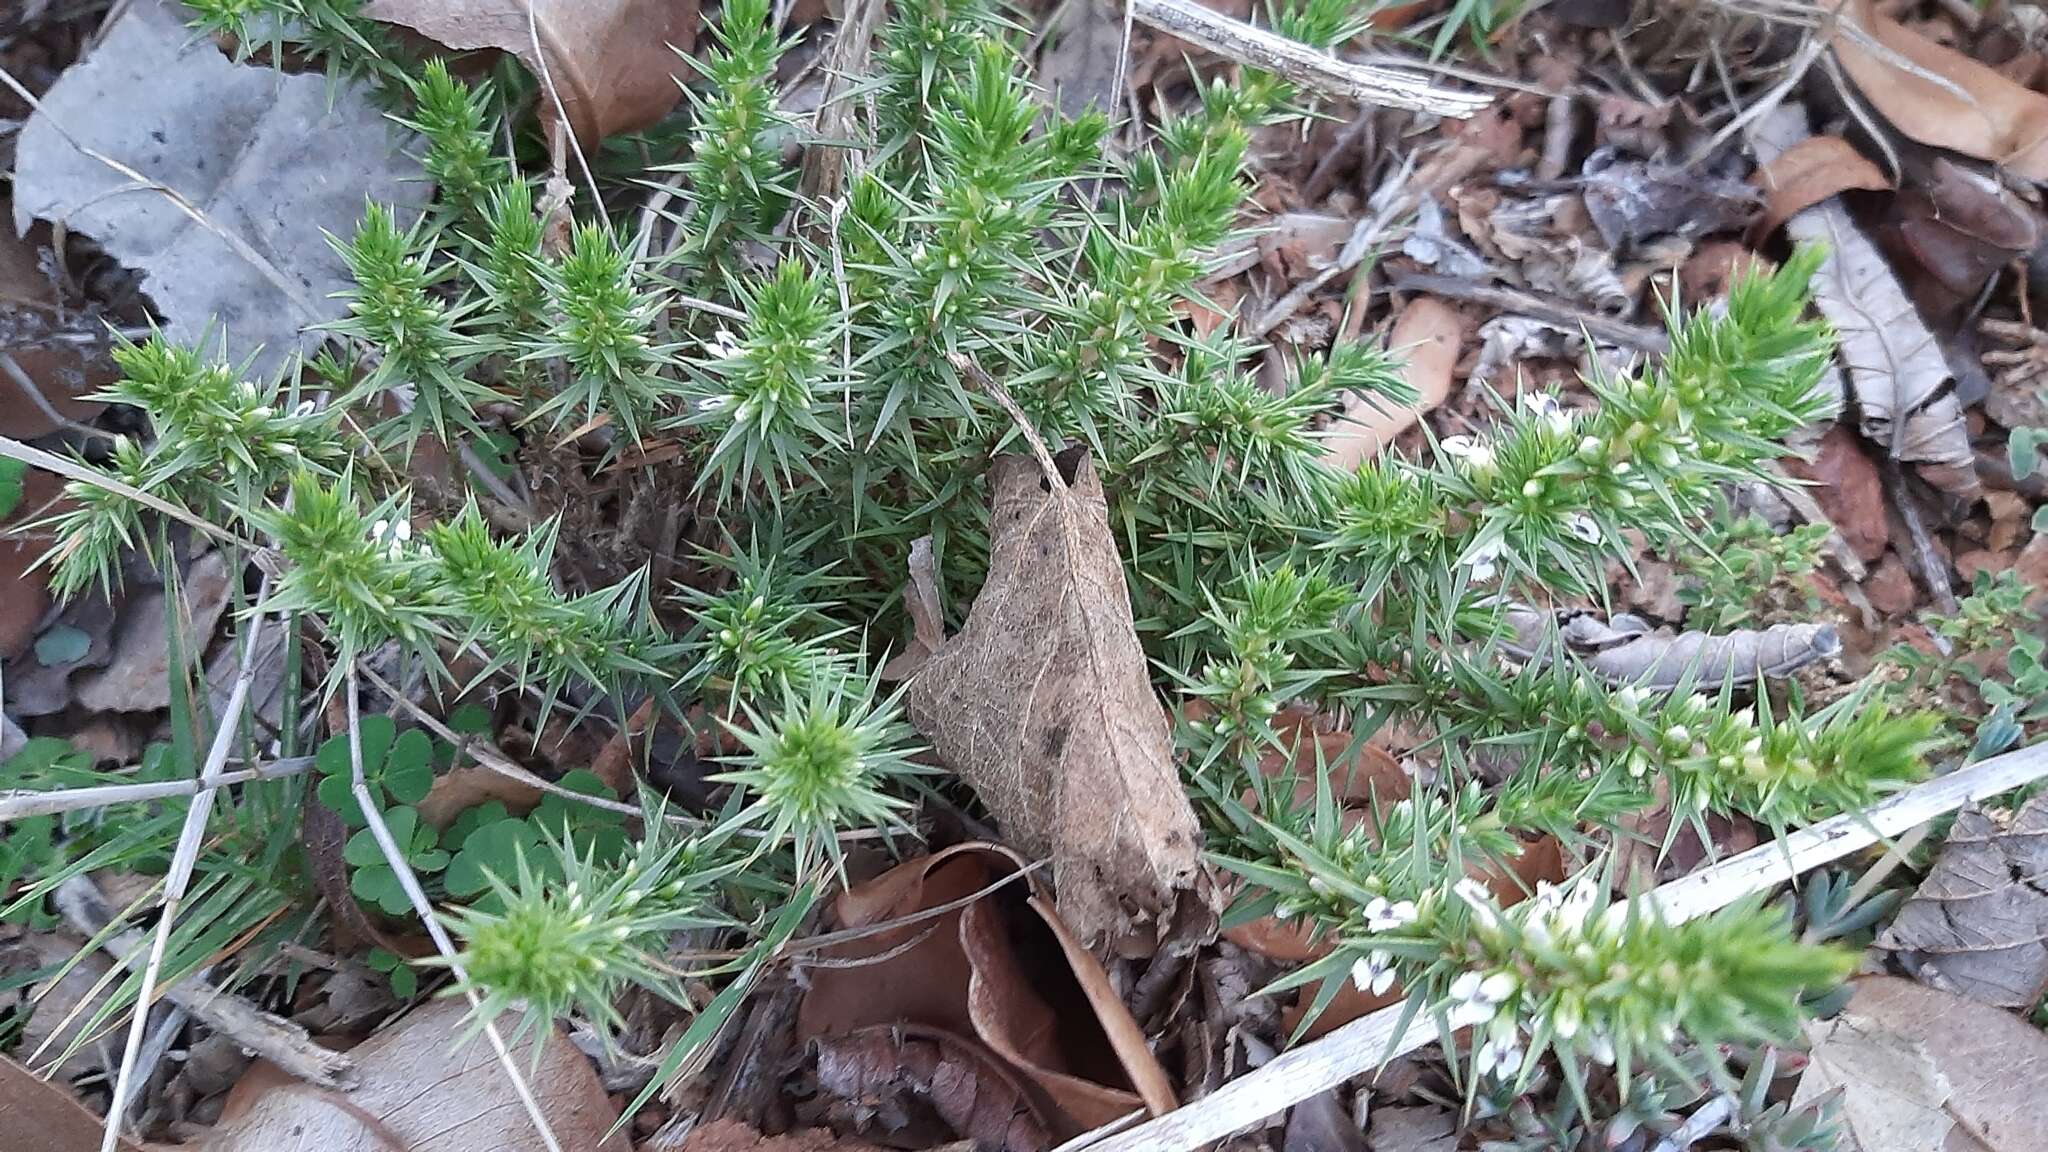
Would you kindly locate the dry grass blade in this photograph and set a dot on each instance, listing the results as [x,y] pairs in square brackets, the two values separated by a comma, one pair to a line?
[180,874]
[22,803]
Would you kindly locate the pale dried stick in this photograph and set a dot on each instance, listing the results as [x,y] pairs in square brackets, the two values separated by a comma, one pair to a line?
[424,908]
[1301,65]
[547,80]
[277,1040]
[179,875]
[22,803]
[1365,1044]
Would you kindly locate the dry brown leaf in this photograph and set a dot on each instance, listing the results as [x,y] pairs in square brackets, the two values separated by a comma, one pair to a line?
[38,1116]
[877,1077]
[614,63]
[1939,96]
[1429,335]
[61,370]
[1895,364]
[24,594]
[415,1090]
[1002,971]
[1044,704]
[1815,169]
[1992,1064]
[1979,922]
[728,1135]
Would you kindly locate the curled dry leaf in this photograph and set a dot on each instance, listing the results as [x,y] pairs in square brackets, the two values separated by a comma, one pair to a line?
[614,63]
[1815,169]
[881,1078]
[1428,335]
[412,1093]
[1625,650]
[1900,380]
[1939,96]
[1921,1070]
[1979,922]
[1044,704]
[1002,971]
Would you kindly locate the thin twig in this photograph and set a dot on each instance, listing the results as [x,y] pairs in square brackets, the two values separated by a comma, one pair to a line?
[183,860]
[394,857]
[22,803]
[1302,65]
[547,81]
[1367,1043]
[1651,340]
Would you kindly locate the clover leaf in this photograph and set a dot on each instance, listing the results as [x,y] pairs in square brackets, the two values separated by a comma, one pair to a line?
[372,878]
[397,768]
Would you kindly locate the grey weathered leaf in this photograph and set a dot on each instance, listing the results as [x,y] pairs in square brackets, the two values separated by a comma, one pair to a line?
[1625,650]
[1892,1092]
[1897,372]
[1979,922]
[1044,704]
[261,163]
[1922,1070]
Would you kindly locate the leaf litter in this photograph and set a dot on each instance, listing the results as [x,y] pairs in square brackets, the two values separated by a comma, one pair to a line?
[225,184]
[1043,703]
[990,1021]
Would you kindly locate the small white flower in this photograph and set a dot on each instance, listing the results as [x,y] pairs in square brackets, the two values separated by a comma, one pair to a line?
[1600,1046]
[723,345]
[1382,915]
[1472,454]
[1584,527]
[379,529]
[402,530]
[1484,561]
[1500,1054]
[1475,999]
[1555,416]
[1373,972]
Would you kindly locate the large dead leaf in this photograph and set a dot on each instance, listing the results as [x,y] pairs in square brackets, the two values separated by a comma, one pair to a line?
[1428,337]
[1043,703]
[1941,97]
[416,1090]
[615,63]
[38,1116]
[1979,922]
[1001,971]
[61,370]
[1922,1070]
[265,163]
[1901,382]
[1815,169]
